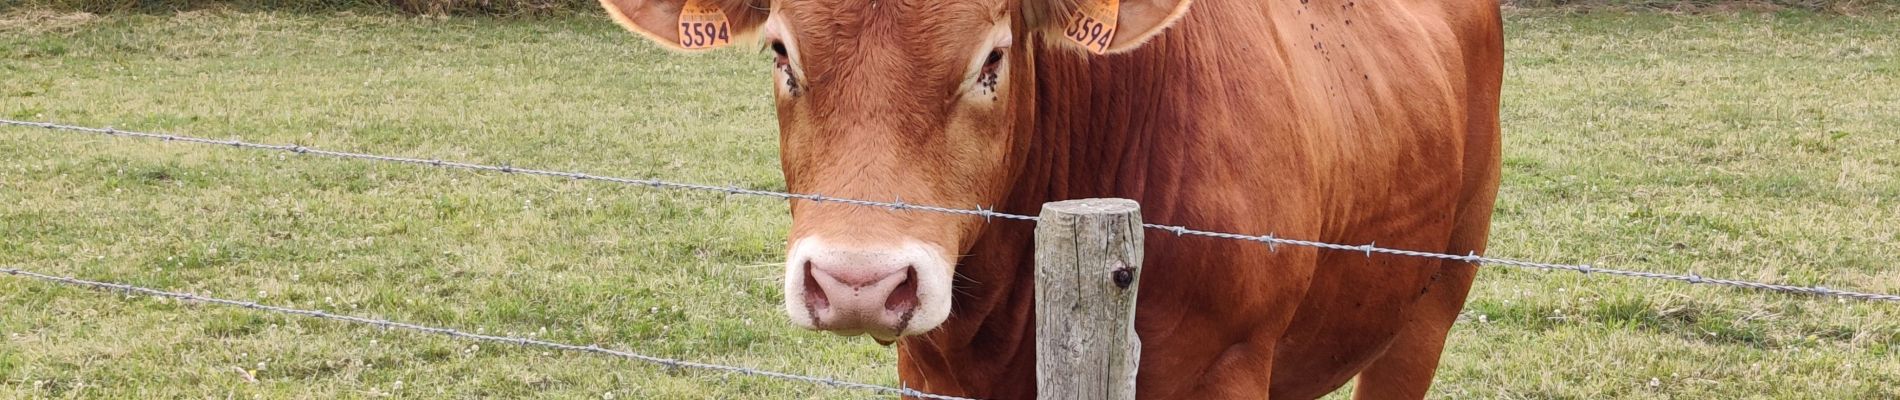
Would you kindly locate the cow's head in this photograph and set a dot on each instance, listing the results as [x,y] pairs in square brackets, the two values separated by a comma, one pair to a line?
[923,101]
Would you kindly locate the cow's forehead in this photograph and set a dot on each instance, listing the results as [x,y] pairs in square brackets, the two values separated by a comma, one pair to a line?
[909,23]
[860,48]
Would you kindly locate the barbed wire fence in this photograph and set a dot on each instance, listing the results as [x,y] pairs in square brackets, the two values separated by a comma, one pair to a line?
[987,213]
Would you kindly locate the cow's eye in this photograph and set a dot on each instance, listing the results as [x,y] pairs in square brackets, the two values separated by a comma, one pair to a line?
[995,59]
[779,48]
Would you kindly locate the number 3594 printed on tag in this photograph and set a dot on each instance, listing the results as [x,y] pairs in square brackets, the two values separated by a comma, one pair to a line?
[703,26]
[700,35]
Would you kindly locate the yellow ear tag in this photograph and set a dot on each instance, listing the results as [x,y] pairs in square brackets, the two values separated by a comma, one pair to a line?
[1093,25]
[703,26]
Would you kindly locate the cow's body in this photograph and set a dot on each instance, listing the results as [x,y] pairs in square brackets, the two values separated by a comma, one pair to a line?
[1345,121]
[1382,130]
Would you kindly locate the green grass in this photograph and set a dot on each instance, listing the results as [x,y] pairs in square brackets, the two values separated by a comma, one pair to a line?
[1752,146]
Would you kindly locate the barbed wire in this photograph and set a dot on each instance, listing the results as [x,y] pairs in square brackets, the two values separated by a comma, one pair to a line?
[988,214]
[654,183]
[1474,258]
[387,324]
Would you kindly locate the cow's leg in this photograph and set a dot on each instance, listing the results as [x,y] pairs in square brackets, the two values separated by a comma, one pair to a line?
[1405,370]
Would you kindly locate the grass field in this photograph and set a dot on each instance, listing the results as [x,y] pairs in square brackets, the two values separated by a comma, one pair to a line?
[1752,146]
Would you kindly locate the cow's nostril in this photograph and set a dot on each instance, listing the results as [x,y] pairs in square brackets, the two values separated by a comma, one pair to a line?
[904,297]
[814,294]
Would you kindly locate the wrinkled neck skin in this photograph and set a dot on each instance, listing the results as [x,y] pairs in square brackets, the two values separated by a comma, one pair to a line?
[987,349]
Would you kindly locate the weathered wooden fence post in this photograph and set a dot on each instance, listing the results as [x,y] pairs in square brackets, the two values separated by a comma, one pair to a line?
[1088,265]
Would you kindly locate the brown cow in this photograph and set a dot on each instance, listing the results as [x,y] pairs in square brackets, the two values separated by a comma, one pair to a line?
[1347,121]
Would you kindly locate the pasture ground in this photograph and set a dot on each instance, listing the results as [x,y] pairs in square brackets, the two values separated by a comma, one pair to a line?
[1749,145]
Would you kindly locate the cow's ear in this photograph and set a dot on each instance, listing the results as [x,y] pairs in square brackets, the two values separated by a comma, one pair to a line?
[690,24]
[1103,26]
